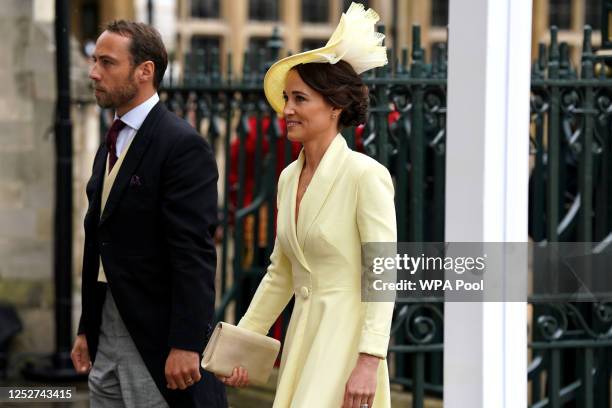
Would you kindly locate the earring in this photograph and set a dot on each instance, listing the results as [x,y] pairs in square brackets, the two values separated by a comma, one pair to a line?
[334,116]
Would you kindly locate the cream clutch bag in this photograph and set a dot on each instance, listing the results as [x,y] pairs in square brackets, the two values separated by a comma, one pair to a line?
[231,346]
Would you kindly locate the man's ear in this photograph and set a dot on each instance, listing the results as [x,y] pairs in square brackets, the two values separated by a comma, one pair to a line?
[147,71]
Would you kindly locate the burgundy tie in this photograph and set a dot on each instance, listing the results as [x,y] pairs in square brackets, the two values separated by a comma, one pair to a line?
[111,142]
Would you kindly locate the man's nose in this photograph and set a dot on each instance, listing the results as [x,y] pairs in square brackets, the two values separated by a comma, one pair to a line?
[93,73]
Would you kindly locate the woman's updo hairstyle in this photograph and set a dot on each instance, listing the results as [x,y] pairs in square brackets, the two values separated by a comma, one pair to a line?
[341,87]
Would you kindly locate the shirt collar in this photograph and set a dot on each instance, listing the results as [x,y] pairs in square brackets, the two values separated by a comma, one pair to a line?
[137,115]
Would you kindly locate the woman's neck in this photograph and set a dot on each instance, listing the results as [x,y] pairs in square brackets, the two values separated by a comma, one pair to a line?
[314,151]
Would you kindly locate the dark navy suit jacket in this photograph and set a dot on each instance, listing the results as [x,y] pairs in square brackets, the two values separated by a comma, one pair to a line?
[155,241]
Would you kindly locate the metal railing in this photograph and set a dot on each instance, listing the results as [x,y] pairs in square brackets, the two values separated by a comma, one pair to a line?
[570,195]
[571,200]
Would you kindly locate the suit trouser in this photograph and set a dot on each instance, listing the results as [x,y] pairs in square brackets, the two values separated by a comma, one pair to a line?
[119,377]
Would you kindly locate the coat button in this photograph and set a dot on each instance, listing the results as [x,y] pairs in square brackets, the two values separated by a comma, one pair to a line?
[305,292]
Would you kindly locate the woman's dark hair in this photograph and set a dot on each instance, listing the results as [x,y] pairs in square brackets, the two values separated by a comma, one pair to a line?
[341,87]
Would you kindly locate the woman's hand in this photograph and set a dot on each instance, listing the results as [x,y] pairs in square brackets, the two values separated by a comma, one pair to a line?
[239,378]
[361,385]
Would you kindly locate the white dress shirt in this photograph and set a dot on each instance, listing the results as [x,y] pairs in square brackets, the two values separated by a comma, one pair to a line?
[133,120]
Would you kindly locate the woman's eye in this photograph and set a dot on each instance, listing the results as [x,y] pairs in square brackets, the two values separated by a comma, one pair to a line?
[300,98]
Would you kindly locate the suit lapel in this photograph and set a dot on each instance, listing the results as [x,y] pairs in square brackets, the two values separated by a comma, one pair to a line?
[320,186]
[95,184]
[132,159]
[293,180]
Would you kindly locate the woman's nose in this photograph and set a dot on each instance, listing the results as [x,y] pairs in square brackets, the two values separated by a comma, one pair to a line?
[288,109]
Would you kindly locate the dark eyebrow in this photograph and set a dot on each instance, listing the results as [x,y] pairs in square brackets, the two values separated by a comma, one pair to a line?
[297,93]
[104,56]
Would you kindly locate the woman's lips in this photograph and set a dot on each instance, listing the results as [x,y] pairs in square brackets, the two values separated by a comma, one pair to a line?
[292,123]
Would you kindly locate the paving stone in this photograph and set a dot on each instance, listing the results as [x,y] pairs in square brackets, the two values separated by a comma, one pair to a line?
[16,8]
[11,195]
[44,223]
[16,136]
[29,166]
[25,294]
[39,195]
[25,259]
[38,329]
[18,223]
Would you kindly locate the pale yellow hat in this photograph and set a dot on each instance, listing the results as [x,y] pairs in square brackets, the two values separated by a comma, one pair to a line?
[355,41]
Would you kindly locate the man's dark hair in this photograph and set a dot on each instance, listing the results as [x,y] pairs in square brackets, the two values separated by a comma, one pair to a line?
[146,45]
[341,87]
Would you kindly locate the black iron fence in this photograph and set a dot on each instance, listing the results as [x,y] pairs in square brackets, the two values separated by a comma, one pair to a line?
[570,195]
[571,200]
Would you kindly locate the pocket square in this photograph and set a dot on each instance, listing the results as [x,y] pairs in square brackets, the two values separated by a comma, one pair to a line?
[135,181]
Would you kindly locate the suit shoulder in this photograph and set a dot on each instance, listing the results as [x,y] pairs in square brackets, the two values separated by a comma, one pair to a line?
[177,127]
[361,163]
[179,132]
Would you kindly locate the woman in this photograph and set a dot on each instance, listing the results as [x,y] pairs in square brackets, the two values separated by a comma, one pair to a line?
[330,201]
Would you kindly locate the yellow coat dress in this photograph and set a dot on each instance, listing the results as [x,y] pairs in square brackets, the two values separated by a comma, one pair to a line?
[349,202]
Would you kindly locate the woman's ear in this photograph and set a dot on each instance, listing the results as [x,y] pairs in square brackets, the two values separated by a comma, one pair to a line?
[336,113]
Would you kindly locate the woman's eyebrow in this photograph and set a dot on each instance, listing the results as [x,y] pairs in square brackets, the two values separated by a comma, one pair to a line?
[295,93]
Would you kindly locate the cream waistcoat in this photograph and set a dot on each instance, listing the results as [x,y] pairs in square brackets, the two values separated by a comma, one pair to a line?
[109,180]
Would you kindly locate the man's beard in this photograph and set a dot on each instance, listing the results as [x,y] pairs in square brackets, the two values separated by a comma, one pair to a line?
[119,96]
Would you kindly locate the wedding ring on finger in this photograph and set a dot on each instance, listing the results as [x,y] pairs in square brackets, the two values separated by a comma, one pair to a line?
[189,381]
[364,406]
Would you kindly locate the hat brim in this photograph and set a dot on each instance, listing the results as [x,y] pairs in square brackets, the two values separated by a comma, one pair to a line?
[274,81]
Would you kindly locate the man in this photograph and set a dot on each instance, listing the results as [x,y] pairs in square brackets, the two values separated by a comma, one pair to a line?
[149,259]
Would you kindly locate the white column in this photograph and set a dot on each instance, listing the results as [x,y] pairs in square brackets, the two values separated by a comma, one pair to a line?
[485,344]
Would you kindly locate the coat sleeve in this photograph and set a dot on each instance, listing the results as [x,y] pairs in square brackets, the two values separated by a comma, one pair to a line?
[189,218]
[88,267]
[273,293]
[376,223]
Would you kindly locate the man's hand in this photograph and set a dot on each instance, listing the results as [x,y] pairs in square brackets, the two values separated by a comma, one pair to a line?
[80,355]
[182,369]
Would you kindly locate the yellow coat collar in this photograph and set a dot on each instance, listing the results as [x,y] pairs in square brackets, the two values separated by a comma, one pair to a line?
[316,193]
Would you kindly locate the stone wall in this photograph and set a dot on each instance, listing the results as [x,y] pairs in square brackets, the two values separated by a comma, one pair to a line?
[27,166]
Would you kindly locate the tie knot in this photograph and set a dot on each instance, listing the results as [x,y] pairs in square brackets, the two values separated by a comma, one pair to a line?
[112,134]
[117,125]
